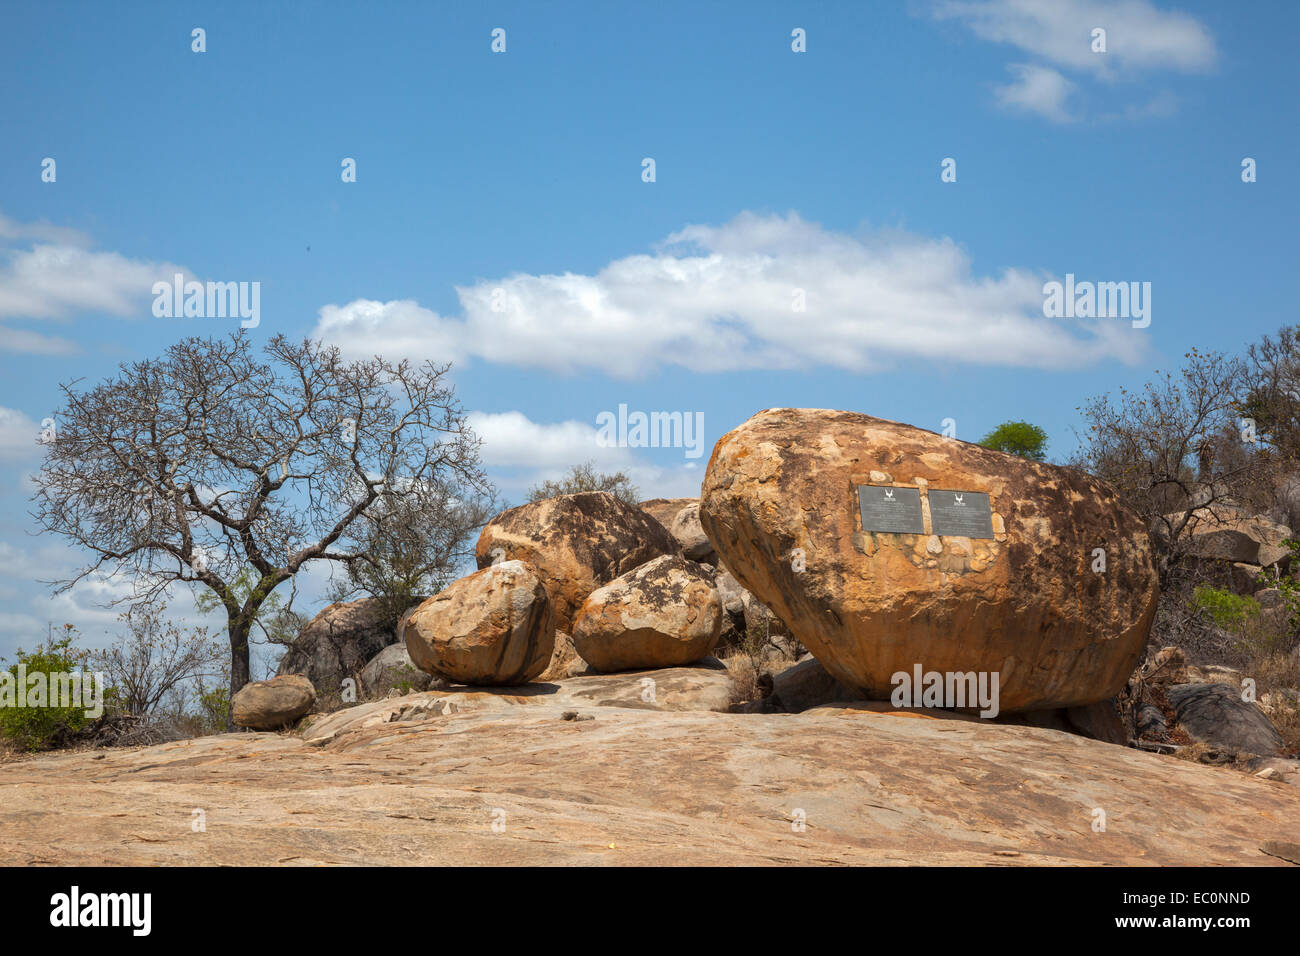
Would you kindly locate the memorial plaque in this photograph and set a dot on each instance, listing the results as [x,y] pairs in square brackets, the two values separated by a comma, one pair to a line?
[892,510]
[963,514]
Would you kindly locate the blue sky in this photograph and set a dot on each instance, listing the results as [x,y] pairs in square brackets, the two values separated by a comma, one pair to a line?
[522,171]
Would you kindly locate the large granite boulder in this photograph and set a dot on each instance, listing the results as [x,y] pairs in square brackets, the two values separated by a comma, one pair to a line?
[575,543]
[272,704]
[780,505]
[494,626]
[338,642]
[666,613]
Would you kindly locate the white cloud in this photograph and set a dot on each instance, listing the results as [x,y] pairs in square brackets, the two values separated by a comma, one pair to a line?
[522,453]
[54,281]
[42,231]
[1139,36]
[1037,89]
[511,439]
[715,299]
[59,276]
[35,343]
[29,605]
[400,327]
[18,436]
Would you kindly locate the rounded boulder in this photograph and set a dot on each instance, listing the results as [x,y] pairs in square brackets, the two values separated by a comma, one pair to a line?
[494,626]
[665,613]
[272,704]
[575,543]
[1054,590]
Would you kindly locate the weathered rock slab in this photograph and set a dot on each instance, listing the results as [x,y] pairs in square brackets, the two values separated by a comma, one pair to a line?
[640,787]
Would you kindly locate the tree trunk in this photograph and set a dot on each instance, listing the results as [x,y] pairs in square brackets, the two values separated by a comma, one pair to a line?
[240,670]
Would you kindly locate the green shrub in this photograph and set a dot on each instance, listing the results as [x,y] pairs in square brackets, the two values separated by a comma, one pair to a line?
[1018,438]
[1228,610]
[41,727]
[1288,586]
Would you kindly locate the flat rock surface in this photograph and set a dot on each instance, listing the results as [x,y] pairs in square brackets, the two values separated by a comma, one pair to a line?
[585,771]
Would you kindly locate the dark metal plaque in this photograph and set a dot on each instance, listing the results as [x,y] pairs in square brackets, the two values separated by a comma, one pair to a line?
[892,510]
[963,514]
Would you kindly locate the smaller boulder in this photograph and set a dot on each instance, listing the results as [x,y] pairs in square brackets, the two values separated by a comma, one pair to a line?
[565,661]
[272,704]
[1216,715]
[494,626]
[393,669]
[665,613]
[664,510]
[574,543]
[730,592]
[1151,722]
[689,533]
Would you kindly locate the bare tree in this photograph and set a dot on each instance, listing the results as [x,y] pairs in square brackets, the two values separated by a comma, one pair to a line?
[1272,405]
[411,548]
[1273,398]
[154,659]
[584,477]
[1175,450]
[212,460]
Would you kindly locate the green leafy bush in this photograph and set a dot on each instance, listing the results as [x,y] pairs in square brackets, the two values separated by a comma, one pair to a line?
[41,727]
[1018,438]
[1228,610]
